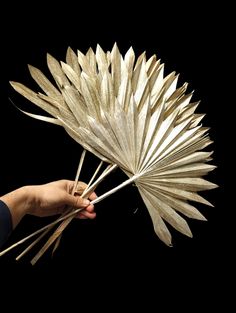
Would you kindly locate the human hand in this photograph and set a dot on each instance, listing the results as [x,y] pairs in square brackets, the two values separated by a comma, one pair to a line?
[49,199]
[55,197]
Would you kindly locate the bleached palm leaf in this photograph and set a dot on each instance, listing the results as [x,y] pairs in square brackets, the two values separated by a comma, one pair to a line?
[129,114]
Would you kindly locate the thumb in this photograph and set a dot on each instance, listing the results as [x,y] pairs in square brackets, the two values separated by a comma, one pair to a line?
[77,202]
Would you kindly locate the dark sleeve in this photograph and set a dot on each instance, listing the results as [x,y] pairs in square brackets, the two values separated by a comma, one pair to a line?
[5,223]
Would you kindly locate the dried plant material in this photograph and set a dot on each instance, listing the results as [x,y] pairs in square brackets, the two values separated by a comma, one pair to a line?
[129,114]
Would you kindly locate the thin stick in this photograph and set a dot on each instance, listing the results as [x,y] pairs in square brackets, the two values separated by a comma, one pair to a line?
[81,161]
[33,243]
[54,236]
[92,179]
[122,185]
[106,172]
[39,238]
[40,230]
[57,243]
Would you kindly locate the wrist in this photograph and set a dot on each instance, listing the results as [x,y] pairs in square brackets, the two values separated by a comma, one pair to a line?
[19,202]
[27,198]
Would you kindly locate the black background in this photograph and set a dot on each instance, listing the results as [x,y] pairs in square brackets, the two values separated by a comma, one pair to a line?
[119,248]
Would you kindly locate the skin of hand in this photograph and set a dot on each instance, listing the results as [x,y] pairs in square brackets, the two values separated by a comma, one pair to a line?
[49,199]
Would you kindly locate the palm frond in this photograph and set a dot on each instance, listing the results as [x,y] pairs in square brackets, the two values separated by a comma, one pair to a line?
[128,114]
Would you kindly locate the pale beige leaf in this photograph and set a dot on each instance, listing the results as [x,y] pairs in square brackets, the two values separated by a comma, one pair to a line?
[140,59]
[173,191]
[156,139]
[76,104]
[58,102]
[155,78]
[151,64]
[43,82]
[91,57]
[47,119]
[56,71]
[85,64]
[197,119]
[170,83]
[72,61]
[116,68]
[107,94]
[182,206]
[142,88]
[33,97]
[124,93]
[158,223]
[169,215]
[192,158]
[71,74]
[193,170]
[156,84]
[129,61]
[90,95]
[101,59]
[190,184]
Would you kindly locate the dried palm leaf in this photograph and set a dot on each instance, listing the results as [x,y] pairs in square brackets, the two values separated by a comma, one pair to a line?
[130,115]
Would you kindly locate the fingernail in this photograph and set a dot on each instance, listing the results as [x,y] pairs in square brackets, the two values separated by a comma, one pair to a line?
[86,202]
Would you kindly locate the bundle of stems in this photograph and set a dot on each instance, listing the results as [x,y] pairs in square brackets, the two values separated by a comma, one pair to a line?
[70,213]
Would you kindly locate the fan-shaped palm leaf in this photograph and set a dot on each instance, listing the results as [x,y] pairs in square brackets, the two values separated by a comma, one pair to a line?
[127,113]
